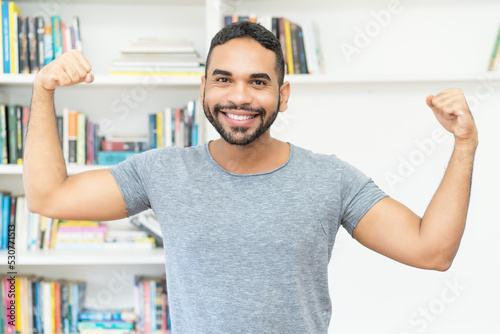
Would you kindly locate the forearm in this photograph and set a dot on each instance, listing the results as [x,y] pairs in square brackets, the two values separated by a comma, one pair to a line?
[443,223]
[44,166]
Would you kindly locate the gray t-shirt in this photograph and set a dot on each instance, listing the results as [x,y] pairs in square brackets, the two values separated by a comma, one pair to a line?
[247,253]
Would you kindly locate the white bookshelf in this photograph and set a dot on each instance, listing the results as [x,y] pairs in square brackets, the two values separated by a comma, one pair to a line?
[364,112]
[87,258]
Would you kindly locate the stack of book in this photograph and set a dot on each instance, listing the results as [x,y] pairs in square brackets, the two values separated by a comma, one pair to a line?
[106,321]
[151,305]
[147,222]
[30,42]
[79,138]
[299,44]
[181,127]
[83,144]
[78,234]
[114,150]
[36,232]
[494,64]
[38,305]
[152,56]
[13,126]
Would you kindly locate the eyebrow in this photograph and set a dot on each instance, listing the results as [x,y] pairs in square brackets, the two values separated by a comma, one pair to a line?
[253,75]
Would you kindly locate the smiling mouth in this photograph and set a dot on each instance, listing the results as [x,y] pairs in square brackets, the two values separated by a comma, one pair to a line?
[239,117]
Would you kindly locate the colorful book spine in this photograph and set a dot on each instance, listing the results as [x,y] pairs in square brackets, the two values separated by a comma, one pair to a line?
[40,40]
[113,158]
[48,44]
[14,14]
[33,60]
[12,133]
[24,66]
[289,50]
[6,36]
[4,157]
[19,134]
[57,36]
[81,139]
[72,136]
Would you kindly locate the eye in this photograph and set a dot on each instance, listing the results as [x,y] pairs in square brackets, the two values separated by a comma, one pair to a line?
[221,80]
[259,82]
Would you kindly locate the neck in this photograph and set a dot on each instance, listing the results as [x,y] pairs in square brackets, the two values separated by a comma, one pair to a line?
[260,156]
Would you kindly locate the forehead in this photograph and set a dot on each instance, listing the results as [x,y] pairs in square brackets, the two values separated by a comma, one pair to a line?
[242,54]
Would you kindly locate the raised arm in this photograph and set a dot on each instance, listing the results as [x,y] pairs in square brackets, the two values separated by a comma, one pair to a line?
[92,195]
[430,242]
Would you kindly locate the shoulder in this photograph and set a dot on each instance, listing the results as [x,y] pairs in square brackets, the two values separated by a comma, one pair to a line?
[308,158]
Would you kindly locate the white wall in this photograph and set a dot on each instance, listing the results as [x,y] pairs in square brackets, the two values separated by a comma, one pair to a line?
[373,126]
[377,126]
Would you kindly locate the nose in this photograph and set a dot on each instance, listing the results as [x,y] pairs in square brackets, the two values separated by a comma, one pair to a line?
[240,94]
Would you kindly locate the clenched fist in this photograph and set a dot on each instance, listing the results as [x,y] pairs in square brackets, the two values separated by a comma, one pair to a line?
[69,69]
[452,111]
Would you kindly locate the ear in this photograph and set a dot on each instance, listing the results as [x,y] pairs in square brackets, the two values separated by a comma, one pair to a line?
[284,96]
[202,88]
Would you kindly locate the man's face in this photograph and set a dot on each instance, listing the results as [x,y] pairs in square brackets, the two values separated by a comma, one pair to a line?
[241,97]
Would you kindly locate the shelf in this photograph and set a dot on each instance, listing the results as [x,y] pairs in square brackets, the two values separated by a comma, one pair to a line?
[11,169]
[391,78]
[302,79]
[133,2]
[60,257]
[111,80]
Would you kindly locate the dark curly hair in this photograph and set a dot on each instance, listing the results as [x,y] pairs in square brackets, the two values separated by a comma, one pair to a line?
[247,29]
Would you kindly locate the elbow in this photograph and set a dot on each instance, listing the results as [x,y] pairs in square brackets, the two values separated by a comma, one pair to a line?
[443,266]
[33,205]
[438,263]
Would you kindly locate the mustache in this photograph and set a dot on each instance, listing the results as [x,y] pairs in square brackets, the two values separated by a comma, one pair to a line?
[232,106]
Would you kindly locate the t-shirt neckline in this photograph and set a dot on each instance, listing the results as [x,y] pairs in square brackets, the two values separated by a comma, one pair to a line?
[219,167]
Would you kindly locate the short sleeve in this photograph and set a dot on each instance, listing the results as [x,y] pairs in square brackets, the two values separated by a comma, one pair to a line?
[359,194]
[129,175]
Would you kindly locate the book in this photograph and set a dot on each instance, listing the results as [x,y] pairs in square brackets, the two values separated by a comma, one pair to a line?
[72,135]
[77,34]
[152,131]
[81,139]
[24,65]
[56,36]
[33,59]
[40,40]
[494,62]
[4,146]
[14,14]
[301,51]
[126,315]
[282,38]
[48,44]
[289,49]
[19,134]
[311,47]
[295,48]
[12,133]
[6,37]
[113,157]
[159,129]
[147,222]
[105,325]
[133,146]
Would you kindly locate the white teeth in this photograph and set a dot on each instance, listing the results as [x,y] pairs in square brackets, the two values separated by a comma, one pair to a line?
[239,117]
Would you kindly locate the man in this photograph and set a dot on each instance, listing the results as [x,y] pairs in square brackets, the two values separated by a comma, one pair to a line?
[249,221]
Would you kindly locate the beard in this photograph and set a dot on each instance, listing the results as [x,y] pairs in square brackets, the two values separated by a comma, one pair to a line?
[239,135]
